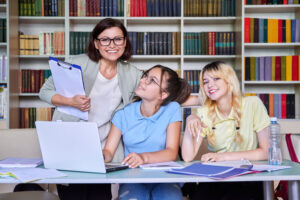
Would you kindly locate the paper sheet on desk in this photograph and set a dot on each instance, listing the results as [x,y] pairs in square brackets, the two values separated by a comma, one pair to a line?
[68,82]
[31,174]
[243,163]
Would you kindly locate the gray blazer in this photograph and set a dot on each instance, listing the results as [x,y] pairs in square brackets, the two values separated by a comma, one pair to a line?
[128,79]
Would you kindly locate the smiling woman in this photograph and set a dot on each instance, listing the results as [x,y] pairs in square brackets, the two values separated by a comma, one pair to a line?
[236,127]
[109,86]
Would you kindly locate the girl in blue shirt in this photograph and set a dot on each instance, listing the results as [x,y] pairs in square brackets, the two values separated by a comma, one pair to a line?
[150,128]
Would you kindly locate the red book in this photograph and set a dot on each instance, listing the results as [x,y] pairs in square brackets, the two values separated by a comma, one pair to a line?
[87,7]
[263,2]
[277,68]
[132,8]
[283,106]
[295,68]
[97,5]
[271,105]
[213,43]
[247,30]
[279,30]
[285,1]
[145,8]
[71,9]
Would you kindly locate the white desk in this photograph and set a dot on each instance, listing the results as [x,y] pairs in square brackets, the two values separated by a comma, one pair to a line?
[158,176]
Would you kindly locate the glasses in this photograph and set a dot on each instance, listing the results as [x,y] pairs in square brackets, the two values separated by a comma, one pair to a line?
[118,41]
[150,80]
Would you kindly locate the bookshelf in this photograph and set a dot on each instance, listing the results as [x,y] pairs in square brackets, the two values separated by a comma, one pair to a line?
[182,24]
[7,101]
[283,12]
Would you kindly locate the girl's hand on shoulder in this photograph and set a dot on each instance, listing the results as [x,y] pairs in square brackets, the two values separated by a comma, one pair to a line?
[194,125]
[212,157]
[81,102]
[133,160]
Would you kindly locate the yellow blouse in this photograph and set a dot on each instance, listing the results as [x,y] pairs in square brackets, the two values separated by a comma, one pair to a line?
[254,119]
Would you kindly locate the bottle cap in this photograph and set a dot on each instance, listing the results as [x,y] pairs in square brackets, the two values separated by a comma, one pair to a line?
[273,119]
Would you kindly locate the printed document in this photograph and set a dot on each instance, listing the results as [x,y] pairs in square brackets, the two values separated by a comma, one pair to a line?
[29,174]
[21,162]
[68,82]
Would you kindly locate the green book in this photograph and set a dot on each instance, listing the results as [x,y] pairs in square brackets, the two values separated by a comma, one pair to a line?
[33,9]
[283,30]
[252,68]
[251,30]
[273,68]
[265,30]
[282,68]
[72,43]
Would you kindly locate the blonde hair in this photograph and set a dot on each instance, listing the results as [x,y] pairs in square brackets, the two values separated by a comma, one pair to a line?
[224,71]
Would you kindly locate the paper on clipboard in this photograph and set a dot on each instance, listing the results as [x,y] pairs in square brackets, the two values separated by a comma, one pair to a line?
[68,82]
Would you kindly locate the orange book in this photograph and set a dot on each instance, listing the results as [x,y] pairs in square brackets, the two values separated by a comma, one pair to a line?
[288,28]
[275,30]
[288,67]
[270,30]
[271,105]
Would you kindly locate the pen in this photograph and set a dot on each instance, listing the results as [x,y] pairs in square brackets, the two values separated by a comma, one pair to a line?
[198,136]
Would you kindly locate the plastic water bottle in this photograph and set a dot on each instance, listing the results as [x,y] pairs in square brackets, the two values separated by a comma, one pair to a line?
[274,156]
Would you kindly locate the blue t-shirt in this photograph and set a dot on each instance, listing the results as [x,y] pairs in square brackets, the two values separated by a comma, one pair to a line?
[145,134]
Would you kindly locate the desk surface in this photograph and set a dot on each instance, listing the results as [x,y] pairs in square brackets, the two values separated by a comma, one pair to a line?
[154,176]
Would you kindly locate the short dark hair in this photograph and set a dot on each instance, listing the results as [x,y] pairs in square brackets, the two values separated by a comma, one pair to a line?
[179,89]
[104,24]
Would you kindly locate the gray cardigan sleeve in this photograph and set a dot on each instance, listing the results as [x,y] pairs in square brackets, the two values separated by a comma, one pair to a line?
[47,91]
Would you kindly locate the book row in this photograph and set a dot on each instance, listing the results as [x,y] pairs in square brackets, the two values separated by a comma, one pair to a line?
[281,106]
[210,43]
[46,43]
[2,1]
[197,8]
[96,7]
[3,102]
[2,30]
[78,42]
[272,68]
[41,7]
[272,30]
[271,2]
[3,68]
[192,77]
[155,43]
[28,116]
[32,80]
[154,8]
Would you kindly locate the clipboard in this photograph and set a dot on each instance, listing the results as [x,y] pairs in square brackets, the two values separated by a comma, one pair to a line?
[68,82]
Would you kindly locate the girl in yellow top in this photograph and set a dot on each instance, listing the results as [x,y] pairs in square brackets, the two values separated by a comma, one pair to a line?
[236,127]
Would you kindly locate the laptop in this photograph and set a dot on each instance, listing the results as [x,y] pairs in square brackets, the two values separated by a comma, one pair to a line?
[73,146]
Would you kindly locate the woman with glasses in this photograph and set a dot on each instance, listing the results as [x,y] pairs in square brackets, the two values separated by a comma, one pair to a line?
[109,82]
[150,128]
[236,128]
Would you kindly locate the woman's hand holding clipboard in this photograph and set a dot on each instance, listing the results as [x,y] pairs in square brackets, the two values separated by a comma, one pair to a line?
[68,82]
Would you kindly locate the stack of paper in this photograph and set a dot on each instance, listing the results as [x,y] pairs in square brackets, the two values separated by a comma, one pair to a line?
[211,171]
[30,174]
[248,165]
[21,162]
